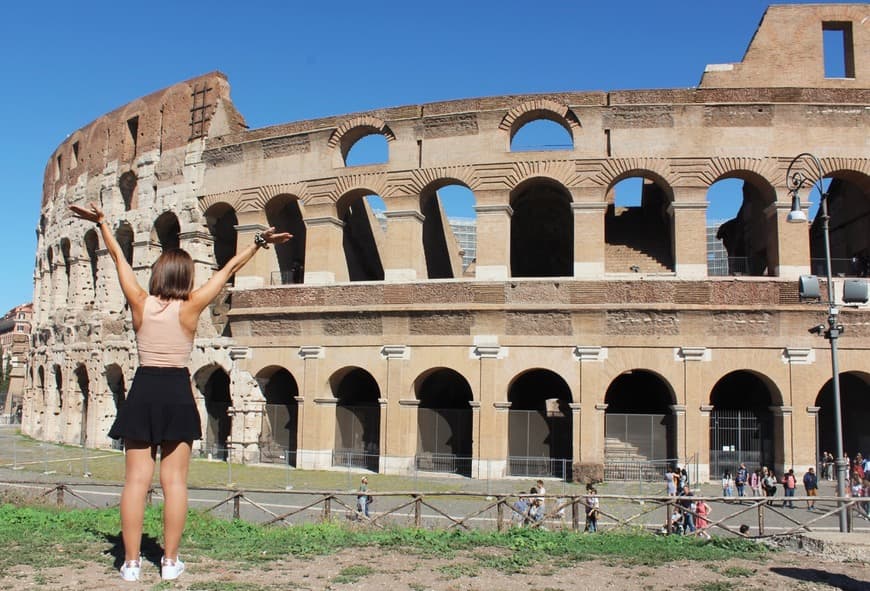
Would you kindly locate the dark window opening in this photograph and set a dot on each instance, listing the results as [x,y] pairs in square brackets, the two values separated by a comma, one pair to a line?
[75,155]
[133,128]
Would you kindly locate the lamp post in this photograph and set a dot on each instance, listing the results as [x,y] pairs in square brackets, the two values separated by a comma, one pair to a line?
[797,180]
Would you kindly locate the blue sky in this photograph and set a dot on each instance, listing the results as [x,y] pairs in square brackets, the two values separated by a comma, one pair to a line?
[63,64]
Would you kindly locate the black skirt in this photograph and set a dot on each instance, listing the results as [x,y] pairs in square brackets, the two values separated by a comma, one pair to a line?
[160,407]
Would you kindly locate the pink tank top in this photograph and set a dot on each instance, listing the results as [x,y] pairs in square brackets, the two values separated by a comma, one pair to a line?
[161,340]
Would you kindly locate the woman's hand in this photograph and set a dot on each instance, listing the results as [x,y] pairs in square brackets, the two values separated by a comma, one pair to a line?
[272,237]
[91,214]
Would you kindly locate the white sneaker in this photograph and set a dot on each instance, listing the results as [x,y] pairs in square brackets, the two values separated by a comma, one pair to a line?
[171,569]
[131,570]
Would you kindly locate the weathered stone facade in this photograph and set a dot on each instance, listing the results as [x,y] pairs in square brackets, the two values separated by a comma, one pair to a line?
[353,333]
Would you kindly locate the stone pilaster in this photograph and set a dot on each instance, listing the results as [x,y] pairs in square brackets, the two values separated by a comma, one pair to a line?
[689,219]
[404,259]
[493,237]
[589,244]
[792,241]
[324,251]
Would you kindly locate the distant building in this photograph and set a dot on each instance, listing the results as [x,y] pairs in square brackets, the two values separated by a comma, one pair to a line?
[15,329]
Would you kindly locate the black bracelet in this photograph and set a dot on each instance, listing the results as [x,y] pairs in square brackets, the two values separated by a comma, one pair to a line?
[260,241]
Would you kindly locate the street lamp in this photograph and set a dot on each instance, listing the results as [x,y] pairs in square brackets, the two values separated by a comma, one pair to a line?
[796,180]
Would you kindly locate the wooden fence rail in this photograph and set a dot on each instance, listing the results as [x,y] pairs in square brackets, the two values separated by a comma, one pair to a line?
[458,509]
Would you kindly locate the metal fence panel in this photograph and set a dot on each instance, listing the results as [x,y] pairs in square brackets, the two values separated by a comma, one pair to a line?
[739,436]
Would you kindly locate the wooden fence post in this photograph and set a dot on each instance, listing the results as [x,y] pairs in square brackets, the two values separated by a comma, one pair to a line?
[761,519]
[499,511]
[237,506]
[327,508]
[60,489]
[575,513]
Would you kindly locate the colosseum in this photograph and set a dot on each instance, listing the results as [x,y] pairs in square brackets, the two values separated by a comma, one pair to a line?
[570,336]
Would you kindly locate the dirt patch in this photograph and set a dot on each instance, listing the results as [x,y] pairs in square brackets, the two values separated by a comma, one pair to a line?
[372,569]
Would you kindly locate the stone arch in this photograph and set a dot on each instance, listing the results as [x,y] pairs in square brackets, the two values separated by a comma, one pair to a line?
[361,235]
[854,412]
[547,109]
[639,423]
[742,422]
[357,418]
[66,255]
[751,237]
[640,238]
[352,130]
[442,248]
[128,185]
[40,386]
[444,421]
[213,384]
[539,424]
[166,231]
[279,429]
[285,214]
[542,230]
[221,221]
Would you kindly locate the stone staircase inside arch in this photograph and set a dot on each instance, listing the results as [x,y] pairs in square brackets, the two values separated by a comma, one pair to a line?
[636,242]
[623,461]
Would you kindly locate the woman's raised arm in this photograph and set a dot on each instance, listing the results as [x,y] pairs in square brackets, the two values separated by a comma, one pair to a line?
[133,292]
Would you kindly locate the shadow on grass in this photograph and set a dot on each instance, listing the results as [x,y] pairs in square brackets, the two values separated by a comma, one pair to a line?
[151,550]
[815,575]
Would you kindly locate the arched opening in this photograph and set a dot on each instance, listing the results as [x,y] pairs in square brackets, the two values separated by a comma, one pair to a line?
[639,429]
[539,425]
[67,262]
[92,244]
[741,423]
[40,386]
[222,221]
[444,419]
[216,392]
[849,227]
[449,230]
[741,236]
[855,411]
[542,230]
[124,236]
[168,229]
[84,385]
[542,133]
[357,419]
[278,432]
[370,148]
[638,228]
[361,237]
[284,214]
[58,385]
[118,388]
[127,184]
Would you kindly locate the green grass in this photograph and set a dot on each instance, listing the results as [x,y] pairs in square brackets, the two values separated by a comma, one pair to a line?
[43,536]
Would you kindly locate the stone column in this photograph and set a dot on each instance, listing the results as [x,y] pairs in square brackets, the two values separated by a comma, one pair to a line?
[493,235]
[397,447]
[259,270]
[491,438]
[695,438]
[703,424]
[324,251]
[589,461]
[800,430]
[575,431]
[689,231]
[792,241]
[782,433]
[588,209]
[316,438]
[678,412]
[403,258]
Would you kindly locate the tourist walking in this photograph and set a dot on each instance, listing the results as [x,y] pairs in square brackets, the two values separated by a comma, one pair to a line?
[811,486]
[703,511]
[727,484]
[363,499]
[741,479]
[592,506]
[160,411]
[789,483]
[755,483]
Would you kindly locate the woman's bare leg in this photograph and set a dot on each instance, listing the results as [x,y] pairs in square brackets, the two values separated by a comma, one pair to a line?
[174,464]
[139,470]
